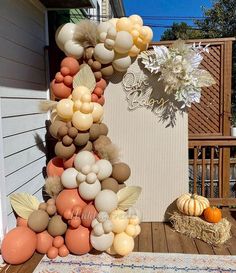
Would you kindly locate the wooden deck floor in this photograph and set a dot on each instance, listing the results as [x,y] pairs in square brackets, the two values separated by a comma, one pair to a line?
[158,237]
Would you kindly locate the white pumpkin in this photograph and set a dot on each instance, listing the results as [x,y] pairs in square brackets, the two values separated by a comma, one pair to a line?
[192,204]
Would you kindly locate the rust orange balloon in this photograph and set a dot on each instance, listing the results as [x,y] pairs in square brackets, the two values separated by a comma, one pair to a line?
[88,214]
[72,64]
[18,245]
[69,163]
[212,214]
[78,240]
[67,199]
[44,242]
[60,90]
[55,167]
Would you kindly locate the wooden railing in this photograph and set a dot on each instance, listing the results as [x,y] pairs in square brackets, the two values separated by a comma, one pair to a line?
[209,168]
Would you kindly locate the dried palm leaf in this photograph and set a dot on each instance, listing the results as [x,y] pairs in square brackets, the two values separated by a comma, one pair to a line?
[128,196]
[85,77]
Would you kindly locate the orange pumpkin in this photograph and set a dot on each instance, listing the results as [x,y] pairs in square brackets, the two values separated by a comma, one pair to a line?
[212,214]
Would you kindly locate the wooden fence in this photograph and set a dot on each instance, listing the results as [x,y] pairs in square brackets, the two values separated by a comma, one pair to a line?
[210,143]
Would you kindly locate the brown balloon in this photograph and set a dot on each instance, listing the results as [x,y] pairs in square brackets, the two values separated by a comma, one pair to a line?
[38,220]
[67,141]
[96,66]
[107,71]
[43,206]
[94,131]
[81,139]
[62,131]
[121,172]
[88,54]
[110,184]
[53,129]
[72,132]
[103,129]
[57,226]
[97,75]
[63,151]
[87,147]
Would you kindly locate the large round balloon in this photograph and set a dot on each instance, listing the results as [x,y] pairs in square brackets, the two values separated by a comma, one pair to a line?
[88,214]
[106,200]
[67,199]
[82,159]
[123,244]
[18,245]
[77,240]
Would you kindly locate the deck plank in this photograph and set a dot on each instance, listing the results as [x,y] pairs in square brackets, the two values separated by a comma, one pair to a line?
[203,248]
[159,238]
[221,250]
[145,238]
[188,245]
[173,240]
[136,244]
[31,264]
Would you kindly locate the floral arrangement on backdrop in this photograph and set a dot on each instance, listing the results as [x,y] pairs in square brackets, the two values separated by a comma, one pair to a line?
[88,202]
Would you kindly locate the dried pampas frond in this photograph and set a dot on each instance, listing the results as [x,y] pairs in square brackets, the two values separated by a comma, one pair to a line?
[53,186]
[86,33]
[47,105]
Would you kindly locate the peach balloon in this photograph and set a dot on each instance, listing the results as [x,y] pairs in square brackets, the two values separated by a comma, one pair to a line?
[146,34]
[124,24]
[55,167]
[18,245]
[72,64]
[136,19]
[69,163]
[63,251]
[78,240]
[88,214]
[58,241]
[44,242]
[52,252]
[67,199]
[21,222]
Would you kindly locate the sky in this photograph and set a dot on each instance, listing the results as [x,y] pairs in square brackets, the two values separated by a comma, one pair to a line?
[165,8]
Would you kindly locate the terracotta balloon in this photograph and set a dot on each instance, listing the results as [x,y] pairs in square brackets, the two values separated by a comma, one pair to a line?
[55,167]
[102,84]
[60,90]
[44,242]
[69,163]
[67,199]
[18,245]
[63,251]
[72,64]
[20,222]
[88,214]
[52,252]
[78,240]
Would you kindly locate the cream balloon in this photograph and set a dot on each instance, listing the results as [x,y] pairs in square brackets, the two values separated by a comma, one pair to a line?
[86,108]
[135,34]
[123,244]
[105,169]
[63,34]
[97,112]
[121,63]
[68,178]
[65,109]
[123,42]
[86,97]
[89,191]
[82,159]
[131,230]
[134,51]
[103,242]
[106,200]
[113,21]
[146,34]
[73,49]
[136,19]
[119,220]
[137,230]
[141,44]
[82,121]
[103,27]
[124,24]
[77,105]
[102,54]
[111,33]
[79,91]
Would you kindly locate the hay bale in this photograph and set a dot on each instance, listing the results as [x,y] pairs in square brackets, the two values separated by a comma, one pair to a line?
[195,227]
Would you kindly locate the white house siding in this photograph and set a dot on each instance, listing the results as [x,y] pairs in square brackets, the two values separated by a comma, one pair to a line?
[22,86]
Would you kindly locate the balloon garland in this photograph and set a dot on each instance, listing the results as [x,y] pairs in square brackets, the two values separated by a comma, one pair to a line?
[90,205]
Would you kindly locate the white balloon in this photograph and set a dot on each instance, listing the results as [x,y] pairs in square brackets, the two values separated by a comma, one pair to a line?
[103,242]
[94,223]
[106,200]
[91,178]
[105,169]
[80,177]
[107,226]
[89,191]
[95,168]
[102,54]
[63,34]
[73,49]
[68,178]
[102,216]
[123,42]
[121,63]
[103,27]
[98,230]
[82,159]
[86,169]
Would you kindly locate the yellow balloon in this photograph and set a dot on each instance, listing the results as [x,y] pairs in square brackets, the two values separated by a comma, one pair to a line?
[136,19]
[65,109]
[140,44]
[137,230]
[86,108]
[119,220]
[123,244]
[134,51]
[146,34]
[131,230]
[82,121]
[86,97]
[134,220]
[97,113]
[124,24]
[77,105]
[79,91]
[135,34]
[136,27]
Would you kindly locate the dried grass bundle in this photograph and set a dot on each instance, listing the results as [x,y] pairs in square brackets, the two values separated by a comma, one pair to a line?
[195,227]
[86,33]
[47,105]
[53,186]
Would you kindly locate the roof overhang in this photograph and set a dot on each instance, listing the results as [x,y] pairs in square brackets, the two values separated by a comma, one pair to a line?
[68,4]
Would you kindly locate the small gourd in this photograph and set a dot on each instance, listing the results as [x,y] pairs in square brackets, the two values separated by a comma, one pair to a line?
[212,214]
[192,204]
